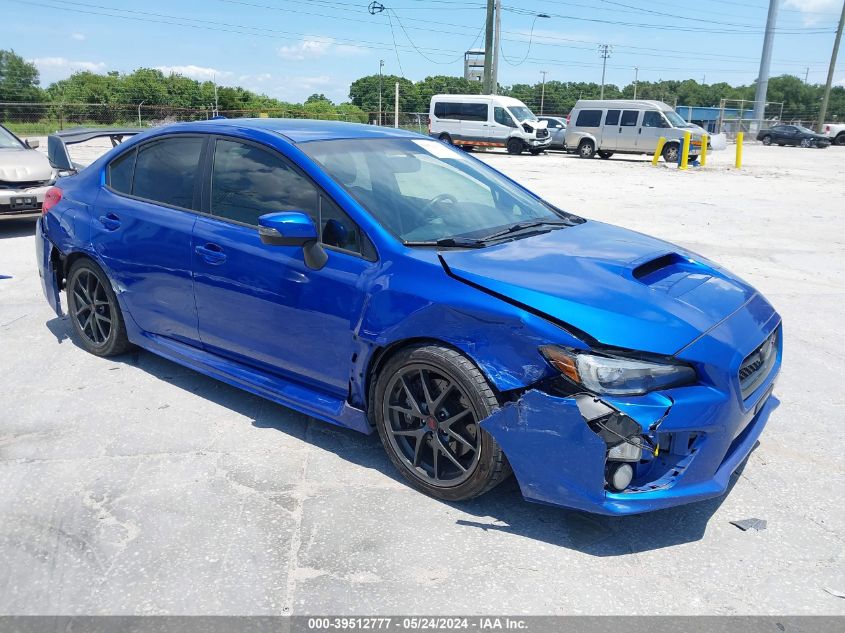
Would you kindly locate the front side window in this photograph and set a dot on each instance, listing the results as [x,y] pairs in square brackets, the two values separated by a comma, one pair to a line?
[248,182]
[502,117]
[653,119]
[166,170]
[629,118]
[588,118]
[424,191]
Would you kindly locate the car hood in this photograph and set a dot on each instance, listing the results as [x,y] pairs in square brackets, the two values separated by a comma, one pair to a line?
[619,287]
[24,165]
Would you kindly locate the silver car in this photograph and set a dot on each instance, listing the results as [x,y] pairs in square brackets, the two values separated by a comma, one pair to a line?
[557,129]
[25,176]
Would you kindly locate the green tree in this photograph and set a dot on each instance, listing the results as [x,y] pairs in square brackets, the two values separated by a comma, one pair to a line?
[19,79]
[364,93]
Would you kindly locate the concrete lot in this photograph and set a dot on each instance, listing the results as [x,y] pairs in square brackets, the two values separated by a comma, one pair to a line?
[134,486]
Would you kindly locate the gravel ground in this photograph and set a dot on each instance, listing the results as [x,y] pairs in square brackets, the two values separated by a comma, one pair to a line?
[135,486]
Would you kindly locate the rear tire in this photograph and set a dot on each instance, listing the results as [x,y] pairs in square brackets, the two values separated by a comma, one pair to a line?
[605,155]
[416,394]
[467,148]
[586,149]
[94,310]
[536,152]
[840,139]
[767,140]
[515,146]
[446,138]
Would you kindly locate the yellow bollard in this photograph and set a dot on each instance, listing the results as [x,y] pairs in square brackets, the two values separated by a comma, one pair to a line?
[739,137]
[703,158]
[685,152]
[660,143]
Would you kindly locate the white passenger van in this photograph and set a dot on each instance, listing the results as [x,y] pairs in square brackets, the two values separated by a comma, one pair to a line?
[487,121]
[627,126]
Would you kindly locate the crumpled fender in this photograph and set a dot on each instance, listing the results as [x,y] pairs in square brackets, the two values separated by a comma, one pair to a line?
[546,439]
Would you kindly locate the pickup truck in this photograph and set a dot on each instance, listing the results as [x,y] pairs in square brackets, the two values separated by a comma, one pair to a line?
[835,131]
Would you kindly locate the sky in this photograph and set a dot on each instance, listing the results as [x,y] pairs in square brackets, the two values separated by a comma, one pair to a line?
[289,49]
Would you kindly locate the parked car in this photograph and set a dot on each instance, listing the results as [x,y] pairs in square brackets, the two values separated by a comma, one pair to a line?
[792,135]
[25,176]
[835,132]
[487,121]
[384,281]
[557,130]
[627,126]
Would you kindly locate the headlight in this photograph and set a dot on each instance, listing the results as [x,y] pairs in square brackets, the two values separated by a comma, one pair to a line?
[616,375]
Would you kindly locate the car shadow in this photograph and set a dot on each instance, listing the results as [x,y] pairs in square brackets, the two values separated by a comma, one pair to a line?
[503,509]
[16,228]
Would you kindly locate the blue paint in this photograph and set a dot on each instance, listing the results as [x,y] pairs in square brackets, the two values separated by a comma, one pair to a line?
[211,295]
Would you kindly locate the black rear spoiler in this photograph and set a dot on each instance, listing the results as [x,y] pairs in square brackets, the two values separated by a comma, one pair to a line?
[57,143]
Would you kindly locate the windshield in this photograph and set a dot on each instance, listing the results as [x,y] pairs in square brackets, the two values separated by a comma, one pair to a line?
[521,113]
[8,140]
[675,119]
[423,191]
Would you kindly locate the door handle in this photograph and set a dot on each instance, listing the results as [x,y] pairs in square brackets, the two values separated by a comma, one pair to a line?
[211,254]
[110,221]
[640,131]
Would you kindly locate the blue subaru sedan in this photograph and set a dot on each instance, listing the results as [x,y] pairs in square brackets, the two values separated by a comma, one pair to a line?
[384,281]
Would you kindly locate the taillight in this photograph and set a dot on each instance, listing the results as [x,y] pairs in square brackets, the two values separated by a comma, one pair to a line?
[568,116]
[51,199]
[827,128]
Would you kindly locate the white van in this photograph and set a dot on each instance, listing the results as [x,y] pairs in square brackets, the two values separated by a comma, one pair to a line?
[487,121]
[628,126]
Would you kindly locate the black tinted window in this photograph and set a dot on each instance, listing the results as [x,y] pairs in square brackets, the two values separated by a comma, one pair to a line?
[474,111]
[589,118]
[629,117]
[247,182]
[612,117]
[165,170]
[653,119]
[447,110]
[121,171]
[337,228]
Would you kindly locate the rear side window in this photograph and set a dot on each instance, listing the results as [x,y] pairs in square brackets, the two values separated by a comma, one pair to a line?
[121,171]
[588,118]
[612,117]
[629,118]
[247,182]
[474,111]
[165,171]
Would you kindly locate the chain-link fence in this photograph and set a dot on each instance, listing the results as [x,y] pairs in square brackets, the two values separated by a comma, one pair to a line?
[45,118]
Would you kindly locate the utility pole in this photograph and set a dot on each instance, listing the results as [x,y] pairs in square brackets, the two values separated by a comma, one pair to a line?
[380,66]
[604,52]
[765,63]
[396,107]
[636,79]
[826,98]
[497,38]
[807,75]
[488,50]
[543,92]
[216,111]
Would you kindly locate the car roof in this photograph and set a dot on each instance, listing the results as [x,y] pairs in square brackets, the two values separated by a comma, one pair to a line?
[301,130]
[502,99]
[621,104]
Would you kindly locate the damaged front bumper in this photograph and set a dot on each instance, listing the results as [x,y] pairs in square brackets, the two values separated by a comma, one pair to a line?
[695,437]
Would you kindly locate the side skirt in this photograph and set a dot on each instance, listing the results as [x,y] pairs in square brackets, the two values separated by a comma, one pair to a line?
[285,392]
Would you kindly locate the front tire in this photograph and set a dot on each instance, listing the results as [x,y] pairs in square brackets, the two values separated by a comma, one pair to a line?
[767,140]
[840,139]
[670,153]
[427,403]
[94,310]
[514,146]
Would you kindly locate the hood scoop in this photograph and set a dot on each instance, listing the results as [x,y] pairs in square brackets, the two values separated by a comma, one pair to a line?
[672,273]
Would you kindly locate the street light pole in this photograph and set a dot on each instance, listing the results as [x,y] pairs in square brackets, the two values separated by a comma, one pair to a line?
[380,66]
[636,79]
[139,111]
[543,91]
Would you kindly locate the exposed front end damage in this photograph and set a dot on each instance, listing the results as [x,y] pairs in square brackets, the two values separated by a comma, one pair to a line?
[625,456]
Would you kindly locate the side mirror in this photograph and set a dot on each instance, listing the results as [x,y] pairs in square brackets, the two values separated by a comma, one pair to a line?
[293,228]
[32,143]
